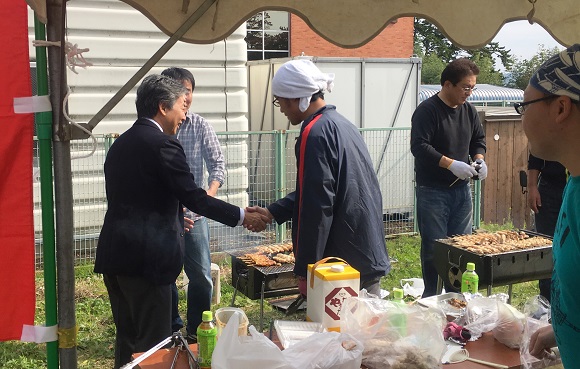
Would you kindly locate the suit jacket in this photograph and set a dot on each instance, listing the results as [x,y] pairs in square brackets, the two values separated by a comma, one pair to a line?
[147,183]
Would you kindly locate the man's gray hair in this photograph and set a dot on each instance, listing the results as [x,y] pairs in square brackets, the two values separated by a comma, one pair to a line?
[154,90]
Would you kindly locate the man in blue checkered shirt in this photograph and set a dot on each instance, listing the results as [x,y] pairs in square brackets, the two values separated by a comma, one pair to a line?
[200,144]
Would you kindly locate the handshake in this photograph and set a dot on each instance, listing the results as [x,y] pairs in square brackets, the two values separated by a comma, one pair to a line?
[256,218]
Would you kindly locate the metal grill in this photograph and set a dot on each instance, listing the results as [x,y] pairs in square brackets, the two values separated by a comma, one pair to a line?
[493,270]
[258,282]
[266,270]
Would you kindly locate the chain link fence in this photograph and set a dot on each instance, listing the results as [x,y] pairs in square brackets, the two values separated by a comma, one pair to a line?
[261,168]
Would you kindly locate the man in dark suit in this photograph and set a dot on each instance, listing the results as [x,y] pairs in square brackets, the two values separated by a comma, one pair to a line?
[148,181]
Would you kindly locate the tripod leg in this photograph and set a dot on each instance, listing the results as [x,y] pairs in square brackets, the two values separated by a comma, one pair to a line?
[177,349]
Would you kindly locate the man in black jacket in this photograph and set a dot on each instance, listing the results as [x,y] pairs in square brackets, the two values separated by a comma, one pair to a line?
[140,249]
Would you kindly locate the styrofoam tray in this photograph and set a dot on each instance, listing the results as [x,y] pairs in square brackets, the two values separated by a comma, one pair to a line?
[289,332]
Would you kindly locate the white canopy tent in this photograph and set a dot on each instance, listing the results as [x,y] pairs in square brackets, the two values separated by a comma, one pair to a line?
[347,23]
[352,23]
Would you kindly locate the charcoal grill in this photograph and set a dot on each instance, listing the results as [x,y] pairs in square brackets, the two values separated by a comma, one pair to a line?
[496,269]
[256,282]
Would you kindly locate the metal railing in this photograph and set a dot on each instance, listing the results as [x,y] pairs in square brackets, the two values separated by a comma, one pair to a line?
[260,168]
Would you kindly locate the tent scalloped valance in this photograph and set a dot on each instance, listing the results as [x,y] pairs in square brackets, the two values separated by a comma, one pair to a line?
[352,23]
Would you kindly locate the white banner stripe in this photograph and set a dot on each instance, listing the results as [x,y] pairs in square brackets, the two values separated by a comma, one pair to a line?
[39,334]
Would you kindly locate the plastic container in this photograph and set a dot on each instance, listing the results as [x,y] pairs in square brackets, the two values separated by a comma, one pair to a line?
[290,332]
[328,285]
[206,340]
[223,315]
[470,280]
[399,318]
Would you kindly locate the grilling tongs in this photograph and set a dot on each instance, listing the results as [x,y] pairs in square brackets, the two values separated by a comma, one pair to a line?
[296,304]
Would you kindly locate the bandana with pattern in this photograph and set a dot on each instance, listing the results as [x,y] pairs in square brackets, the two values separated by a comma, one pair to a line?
[560,75]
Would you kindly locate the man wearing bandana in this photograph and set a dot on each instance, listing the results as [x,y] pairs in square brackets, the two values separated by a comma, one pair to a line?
[551,120]
[336,209]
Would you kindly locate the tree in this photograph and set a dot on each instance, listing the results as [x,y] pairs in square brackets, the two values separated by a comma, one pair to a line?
[520,73]
[487,72]
[437,51]
[431,70]
[429,41]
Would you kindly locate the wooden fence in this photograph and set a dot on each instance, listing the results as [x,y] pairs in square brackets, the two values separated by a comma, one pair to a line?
[507,155]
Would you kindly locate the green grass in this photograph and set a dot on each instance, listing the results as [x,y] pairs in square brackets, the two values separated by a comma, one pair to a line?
[97,332]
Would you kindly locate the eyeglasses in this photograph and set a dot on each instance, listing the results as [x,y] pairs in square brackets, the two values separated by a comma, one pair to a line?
[521,107]
[275,102]
[468,89]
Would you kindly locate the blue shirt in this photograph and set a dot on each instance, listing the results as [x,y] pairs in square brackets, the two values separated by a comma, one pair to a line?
[565,290]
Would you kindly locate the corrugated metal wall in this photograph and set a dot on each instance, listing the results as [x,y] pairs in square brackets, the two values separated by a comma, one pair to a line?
[121,40]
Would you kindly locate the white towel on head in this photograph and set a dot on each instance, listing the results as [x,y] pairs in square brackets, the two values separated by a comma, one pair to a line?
[301,79]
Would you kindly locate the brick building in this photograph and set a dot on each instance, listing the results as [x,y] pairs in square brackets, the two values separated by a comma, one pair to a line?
[395,41]
[277,34]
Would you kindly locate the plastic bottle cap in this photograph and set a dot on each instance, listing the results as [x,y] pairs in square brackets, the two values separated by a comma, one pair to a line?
[337,268]
[207,316]
[471,267]
[397,293]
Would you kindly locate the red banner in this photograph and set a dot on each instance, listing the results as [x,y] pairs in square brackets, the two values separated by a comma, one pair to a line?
[17,295]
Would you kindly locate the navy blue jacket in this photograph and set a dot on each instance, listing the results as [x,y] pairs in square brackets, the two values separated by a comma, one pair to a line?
[336,209]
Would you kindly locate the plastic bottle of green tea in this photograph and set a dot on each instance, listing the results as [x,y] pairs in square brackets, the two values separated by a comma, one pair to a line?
[470,279]
[206,339]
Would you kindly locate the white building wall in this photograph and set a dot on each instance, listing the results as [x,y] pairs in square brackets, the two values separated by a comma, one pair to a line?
[120,40]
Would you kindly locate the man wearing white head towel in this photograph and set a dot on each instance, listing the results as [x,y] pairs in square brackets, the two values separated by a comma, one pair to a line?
[336,209]
[551,120]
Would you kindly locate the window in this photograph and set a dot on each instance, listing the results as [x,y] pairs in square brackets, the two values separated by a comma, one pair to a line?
[267,35]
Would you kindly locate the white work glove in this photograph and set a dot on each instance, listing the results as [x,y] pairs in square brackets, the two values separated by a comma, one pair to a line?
[462,170]
[482,172]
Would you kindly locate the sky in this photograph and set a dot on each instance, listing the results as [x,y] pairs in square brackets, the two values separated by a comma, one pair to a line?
[524,39]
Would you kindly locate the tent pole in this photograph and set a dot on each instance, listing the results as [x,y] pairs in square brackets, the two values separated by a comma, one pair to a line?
[44,133]
[67,327]
[145,68]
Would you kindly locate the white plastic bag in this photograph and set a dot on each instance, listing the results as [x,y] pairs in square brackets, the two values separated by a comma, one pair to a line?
[537,311]
[481,316]
[510,325]
[413,287]
[328,350]
[246,352]
[394,335]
